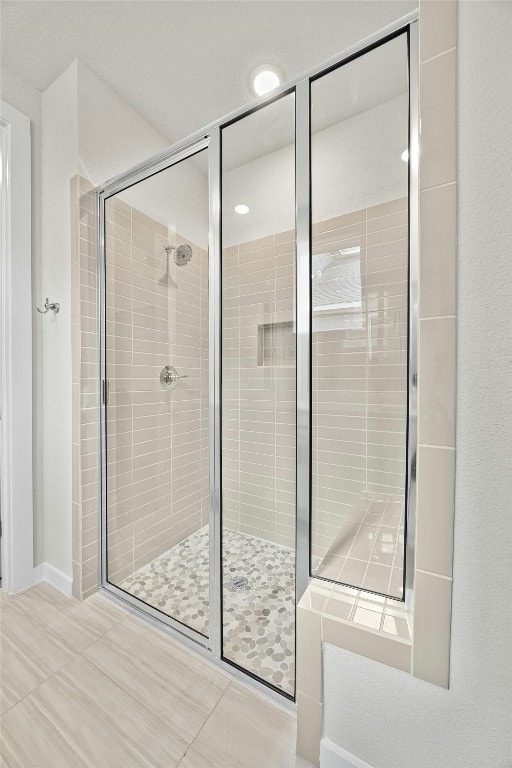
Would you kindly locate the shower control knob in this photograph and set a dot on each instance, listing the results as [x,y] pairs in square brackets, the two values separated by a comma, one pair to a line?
[169,377]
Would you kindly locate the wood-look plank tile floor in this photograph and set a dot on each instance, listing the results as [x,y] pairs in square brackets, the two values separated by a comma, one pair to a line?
[90,684]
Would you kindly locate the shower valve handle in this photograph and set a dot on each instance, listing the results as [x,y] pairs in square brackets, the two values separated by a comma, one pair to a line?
[169,377]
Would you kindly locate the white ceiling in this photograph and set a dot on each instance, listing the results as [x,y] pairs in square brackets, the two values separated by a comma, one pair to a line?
[366,82]
[182,63]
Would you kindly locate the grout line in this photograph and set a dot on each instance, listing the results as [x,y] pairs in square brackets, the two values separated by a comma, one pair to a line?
[210,714]
[77,654]
[442,447]
[438,55]
[439,186]
[431,573]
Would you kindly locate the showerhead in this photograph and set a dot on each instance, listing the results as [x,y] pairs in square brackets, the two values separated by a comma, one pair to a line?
[182,254]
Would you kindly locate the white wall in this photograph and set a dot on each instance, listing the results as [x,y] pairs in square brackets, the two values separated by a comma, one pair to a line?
[59,165]
[177,197]
[21,96]
[78,124]
[112,136]
[87,129]
[386,717]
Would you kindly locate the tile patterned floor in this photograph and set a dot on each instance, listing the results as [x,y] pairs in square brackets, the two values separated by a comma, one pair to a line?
[89,685]
[259,619]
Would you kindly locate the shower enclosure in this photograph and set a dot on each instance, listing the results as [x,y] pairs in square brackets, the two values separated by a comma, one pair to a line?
[258,360]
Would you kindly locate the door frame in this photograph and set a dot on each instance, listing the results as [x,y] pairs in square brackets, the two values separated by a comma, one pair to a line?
[16,499]
[137,174]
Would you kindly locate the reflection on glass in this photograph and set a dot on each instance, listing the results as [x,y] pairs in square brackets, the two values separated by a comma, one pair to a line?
[156,235]
[258,393]
[359,119]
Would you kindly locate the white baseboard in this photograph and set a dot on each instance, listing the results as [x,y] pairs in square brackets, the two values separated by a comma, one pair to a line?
[52,575]
[333,756]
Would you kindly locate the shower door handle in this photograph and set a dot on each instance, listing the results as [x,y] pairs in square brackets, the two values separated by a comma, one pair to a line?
[105,391]
[169,377]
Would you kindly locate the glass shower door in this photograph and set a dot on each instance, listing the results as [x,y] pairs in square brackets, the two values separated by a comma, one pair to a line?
[258,393]
[360,284]
[257,360]
[156,352]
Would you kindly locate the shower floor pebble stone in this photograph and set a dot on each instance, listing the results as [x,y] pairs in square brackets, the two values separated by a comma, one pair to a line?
[259,617]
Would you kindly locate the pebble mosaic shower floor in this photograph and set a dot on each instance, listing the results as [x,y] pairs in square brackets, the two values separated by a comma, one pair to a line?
[259,617]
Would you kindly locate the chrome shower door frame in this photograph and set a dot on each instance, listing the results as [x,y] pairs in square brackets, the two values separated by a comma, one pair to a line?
[155,165]
[210,138]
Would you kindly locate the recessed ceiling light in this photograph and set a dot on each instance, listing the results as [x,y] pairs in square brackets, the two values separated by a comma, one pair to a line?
[405,155]
[241,209]
[264,79]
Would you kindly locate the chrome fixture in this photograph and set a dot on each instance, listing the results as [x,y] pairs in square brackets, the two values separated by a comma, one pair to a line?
[239,584]
[167,279]
[47,306]
[182,254]
[169,377]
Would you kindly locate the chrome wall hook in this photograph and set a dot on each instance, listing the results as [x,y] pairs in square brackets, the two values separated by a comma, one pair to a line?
[53,306]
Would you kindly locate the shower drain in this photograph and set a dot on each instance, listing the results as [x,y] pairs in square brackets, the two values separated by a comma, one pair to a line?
[238,583]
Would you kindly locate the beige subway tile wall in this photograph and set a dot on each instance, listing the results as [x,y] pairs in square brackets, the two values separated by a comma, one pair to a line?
[431,618]
[157,440]
[437,341]
[359,354]
[359,394]
[85,485]
[258,345]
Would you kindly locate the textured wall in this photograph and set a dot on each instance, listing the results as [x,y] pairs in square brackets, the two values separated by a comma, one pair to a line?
[59,165]
[390,719]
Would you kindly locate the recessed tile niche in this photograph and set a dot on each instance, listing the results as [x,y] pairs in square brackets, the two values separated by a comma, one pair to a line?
[276,344]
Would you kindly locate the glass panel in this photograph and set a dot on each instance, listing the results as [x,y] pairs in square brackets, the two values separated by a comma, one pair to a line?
[359,116]
[157,371]
[258,393]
